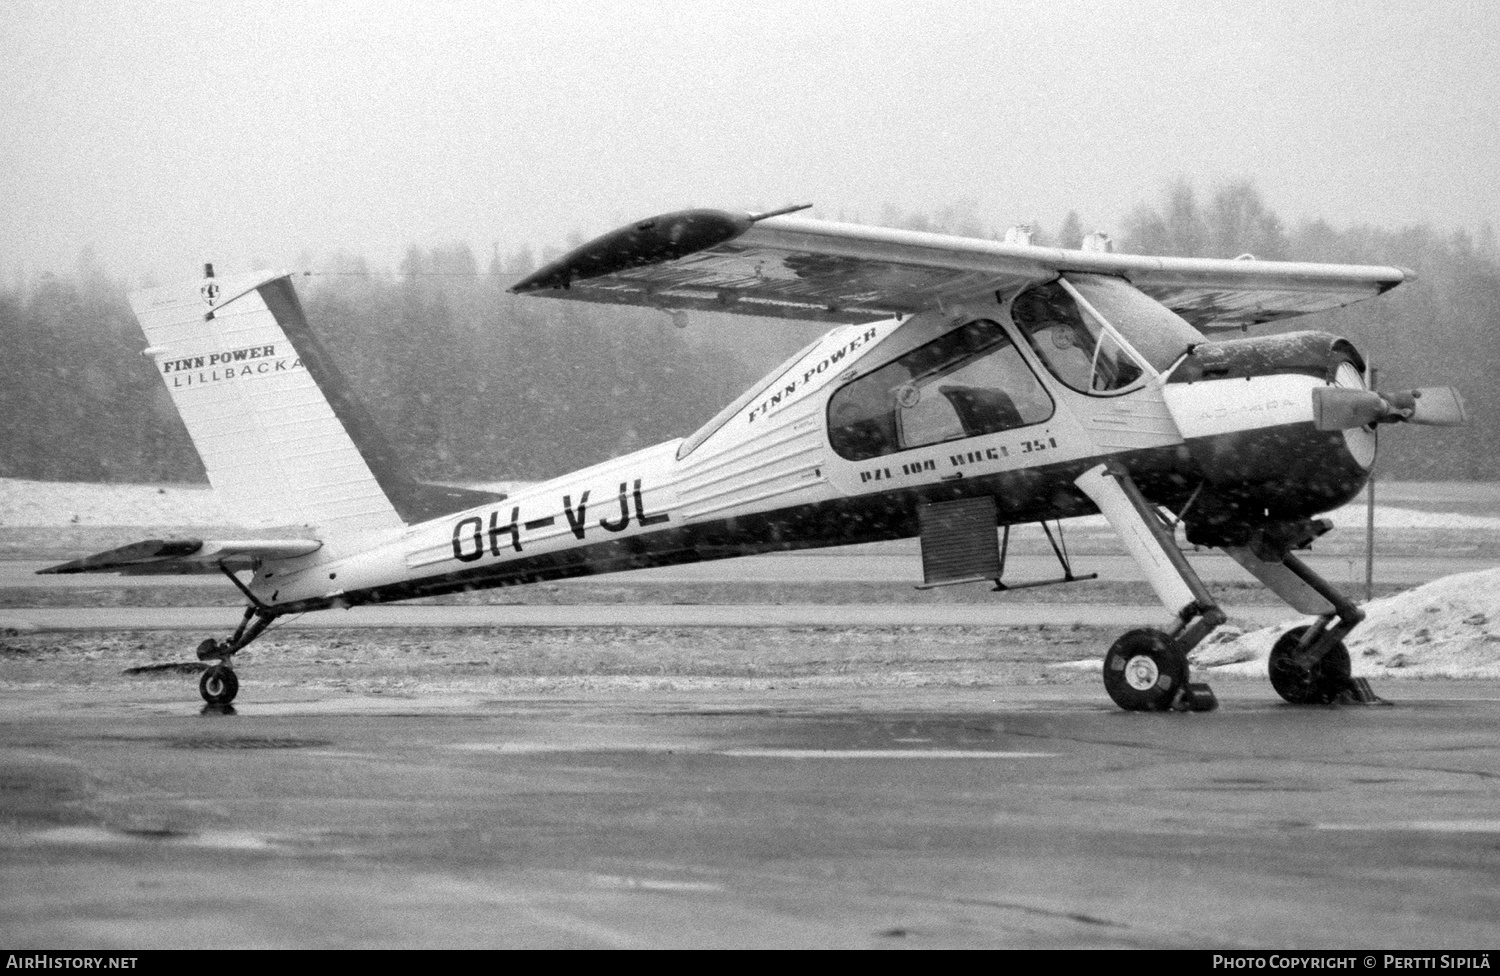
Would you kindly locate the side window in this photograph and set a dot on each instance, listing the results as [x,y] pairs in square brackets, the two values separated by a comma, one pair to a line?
[971,381]
[1076,347]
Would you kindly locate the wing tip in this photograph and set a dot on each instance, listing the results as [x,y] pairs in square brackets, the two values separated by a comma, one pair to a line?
[654,240]
[1407,275]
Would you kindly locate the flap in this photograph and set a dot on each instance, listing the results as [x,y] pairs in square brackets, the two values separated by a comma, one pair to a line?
[184,556]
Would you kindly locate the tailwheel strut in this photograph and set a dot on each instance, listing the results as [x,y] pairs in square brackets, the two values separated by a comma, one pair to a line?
[219,684]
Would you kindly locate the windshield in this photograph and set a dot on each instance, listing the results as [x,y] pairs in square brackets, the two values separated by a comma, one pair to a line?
[1100,335]
[1155,332]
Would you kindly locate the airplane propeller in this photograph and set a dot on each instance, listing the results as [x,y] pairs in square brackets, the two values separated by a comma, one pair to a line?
[1340,408]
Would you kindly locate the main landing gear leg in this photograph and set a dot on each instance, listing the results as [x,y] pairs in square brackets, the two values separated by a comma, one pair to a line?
[219,684]
[1309,665]
[1147,669]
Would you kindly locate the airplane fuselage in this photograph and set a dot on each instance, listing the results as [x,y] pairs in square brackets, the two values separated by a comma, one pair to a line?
[972,384]
[849,438]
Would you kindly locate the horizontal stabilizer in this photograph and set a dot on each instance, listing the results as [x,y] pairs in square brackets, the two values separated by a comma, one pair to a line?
[184,556]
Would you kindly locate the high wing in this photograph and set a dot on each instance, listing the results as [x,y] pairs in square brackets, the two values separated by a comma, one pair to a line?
[174,556]
[798,268]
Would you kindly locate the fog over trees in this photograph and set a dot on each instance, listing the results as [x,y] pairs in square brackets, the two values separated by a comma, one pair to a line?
[474,384]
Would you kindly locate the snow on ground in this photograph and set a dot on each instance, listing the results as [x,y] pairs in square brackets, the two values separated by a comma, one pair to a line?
[1449,628]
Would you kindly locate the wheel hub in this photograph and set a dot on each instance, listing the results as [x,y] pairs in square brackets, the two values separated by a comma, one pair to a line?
[1141,672]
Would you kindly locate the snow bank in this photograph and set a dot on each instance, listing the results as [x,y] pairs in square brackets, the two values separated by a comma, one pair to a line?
[1449,628]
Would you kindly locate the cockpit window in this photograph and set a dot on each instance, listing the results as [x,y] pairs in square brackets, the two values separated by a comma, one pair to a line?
[968,382]
[1074,344]
[1098,334]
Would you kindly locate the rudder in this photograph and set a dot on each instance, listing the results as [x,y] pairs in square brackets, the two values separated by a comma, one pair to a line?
[282,437]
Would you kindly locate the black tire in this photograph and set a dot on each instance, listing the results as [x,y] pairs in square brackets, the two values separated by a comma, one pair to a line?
[219,685]
[1144,670]
[1319,685]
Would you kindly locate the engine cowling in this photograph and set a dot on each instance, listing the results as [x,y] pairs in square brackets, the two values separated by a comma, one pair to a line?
[1251,434]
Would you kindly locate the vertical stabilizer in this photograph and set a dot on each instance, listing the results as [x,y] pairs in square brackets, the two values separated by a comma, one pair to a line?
[281,436]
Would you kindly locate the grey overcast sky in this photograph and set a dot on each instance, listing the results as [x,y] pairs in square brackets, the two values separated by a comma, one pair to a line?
[165,133]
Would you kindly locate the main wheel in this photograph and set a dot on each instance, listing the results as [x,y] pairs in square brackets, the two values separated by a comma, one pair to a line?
[218,686]
[1144,670]
[1317,685]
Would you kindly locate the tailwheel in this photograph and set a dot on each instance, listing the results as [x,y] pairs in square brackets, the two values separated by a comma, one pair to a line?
[1318,684]
[1144,671]
[218,686]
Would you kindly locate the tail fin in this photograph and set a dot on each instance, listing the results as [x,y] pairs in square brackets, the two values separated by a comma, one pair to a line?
[280,433]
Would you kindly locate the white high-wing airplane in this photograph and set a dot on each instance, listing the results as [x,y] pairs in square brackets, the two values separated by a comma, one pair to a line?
[967,386]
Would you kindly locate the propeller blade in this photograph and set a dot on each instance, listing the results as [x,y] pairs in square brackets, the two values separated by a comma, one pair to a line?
[1340,408]
[1438,406]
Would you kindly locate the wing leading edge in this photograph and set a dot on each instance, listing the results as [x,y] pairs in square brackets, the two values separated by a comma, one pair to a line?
[799,268]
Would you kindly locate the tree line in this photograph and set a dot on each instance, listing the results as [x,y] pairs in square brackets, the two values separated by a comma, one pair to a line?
[471,383]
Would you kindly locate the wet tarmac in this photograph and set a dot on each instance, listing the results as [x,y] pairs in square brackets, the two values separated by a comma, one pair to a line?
[1028,816]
